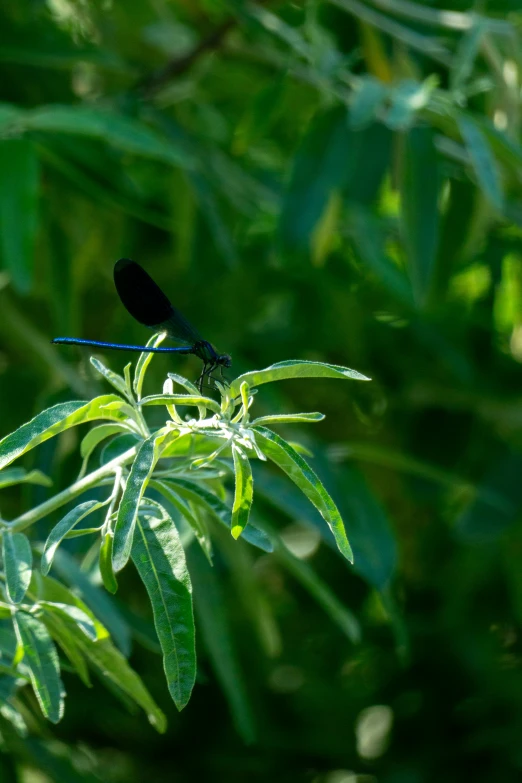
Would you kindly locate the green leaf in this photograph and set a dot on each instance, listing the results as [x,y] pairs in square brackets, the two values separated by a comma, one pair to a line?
[65,639]
[78,616]
[280,452]
[420,187]
[98,434]
[97,599]
[289,418]
[321,165]
[53,421]
[183,507]
[368,97]
[181,399]
[49,590]
[159,558]
[184,382]
[105,564]
[482,161]
[117,446]
[294,368]
[320,591]
[41,659]
[211,609]
[112,377]
[219,511]
[59,531]
[18,564]
[140,472]
[406,99]
[143,362]
[369,245]
[19,185]
[467,52]
[126,134]
[243,494]
[112,668]
[21,476]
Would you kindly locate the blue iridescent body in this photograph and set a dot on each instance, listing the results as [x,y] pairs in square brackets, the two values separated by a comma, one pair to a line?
[147,303]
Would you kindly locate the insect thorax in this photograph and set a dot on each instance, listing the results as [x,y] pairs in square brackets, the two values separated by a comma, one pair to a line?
[204,351]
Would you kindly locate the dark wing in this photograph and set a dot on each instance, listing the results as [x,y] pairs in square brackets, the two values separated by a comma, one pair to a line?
[147,303]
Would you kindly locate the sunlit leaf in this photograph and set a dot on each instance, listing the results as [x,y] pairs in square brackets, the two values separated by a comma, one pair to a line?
[140,472]
[159,558]
[294,368]
[243,493]
[218,510]
[53,421]
[280,452]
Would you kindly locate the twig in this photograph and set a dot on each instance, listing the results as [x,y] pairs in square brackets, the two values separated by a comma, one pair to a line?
[179,65]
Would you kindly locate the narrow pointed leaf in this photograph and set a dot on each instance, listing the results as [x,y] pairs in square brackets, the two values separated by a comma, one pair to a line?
[112,377]
[113,669]
[139,475]
[105,564]
[483,161]
[53,421]
[182,399]
[18,210]
[194,520]
[64,526]
[98,434]
[126,134]
[320,591]
[18,565]
[219,511]
[244,492]
[159,557]
[143,362]
[97,600]
[420,207]
[294,368]
[65,639]
[74,613]
[296,468]
[41,659]
[289,418]
[49,591]
[218,639]
[13,476]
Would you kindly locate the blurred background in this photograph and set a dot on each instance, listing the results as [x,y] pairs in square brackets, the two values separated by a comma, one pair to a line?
[336,181]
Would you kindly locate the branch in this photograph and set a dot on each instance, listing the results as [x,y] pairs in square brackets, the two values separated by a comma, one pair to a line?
[179,65]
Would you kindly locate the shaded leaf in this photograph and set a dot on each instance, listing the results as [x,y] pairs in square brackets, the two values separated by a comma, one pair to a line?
[219,510]
[420,186]
[19,185]
[18,564]
[64,526]
[41,659]
[212,617]
[482,161]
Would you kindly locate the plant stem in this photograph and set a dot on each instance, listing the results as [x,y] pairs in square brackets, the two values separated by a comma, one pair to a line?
[30,517]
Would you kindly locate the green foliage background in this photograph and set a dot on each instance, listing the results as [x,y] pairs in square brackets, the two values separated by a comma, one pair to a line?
[335,181]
